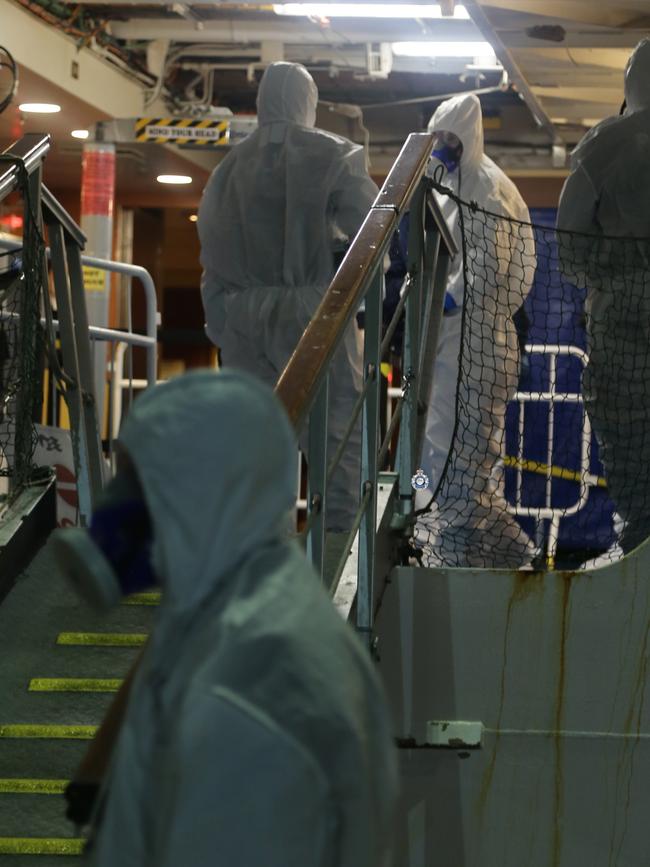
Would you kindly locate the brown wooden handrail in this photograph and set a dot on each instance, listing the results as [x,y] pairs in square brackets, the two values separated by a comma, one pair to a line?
[300,380]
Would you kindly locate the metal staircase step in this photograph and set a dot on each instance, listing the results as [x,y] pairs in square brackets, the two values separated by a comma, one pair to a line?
[60,665]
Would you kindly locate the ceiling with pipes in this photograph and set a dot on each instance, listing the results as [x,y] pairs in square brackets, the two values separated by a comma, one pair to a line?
[545,70]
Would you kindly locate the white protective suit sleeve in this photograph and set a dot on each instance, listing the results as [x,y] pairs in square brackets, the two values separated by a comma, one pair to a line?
[278,817]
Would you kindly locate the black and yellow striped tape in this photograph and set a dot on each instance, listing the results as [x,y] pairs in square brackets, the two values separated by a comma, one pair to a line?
[182,131]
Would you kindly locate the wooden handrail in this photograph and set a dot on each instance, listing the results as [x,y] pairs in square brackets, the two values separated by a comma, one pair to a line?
[300,380]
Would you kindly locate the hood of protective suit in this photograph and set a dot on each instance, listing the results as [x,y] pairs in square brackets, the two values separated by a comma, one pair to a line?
[462,115]
[637,78]
[216,458]
[287,94]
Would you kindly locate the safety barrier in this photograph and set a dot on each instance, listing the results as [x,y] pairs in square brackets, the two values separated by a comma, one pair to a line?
[582,475]
[70,370]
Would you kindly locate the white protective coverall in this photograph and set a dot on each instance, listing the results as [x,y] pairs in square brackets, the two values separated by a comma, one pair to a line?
[607,195]
[256,731]
[269,219]
[469,524]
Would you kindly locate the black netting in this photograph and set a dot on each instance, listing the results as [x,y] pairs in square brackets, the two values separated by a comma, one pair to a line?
[537,444]
[21,359]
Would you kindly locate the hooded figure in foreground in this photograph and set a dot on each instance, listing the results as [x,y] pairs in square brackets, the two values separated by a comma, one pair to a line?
[468,523]
[607,196]
[270,220]
[256,731]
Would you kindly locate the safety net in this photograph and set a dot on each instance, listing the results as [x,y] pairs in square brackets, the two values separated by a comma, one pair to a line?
[537,444]
[21,358]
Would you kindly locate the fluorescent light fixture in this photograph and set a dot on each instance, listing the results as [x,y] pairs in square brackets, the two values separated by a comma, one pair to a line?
[39,107]
[174,179]
[367,10]
[193,218]
[481,52]
[79,133]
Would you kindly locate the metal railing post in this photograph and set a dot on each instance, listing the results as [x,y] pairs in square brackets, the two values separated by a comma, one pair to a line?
[437,260]
[73,393]
[86,371]
[411,363]
[370,439]
[317,478]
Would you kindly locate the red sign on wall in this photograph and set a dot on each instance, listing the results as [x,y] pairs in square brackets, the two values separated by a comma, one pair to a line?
[98,181]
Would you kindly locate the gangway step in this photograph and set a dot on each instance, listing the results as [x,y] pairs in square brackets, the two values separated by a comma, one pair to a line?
[44,730]
[74,684]
[102,639]
[152,598]
[18,786]
[41,845]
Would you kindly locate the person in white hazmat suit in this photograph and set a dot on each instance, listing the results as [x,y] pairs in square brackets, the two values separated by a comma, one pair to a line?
[607,196]
[256,731]
[271,216]
[468,523]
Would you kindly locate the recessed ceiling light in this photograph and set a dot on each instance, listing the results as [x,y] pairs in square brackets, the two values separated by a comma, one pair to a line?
[367,10]
[39,107]
[193,218]
[174,179]
[79,133]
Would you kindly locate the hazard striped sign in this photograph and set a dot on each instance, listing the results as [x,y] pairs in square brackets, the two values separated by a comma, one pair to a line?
[182,130]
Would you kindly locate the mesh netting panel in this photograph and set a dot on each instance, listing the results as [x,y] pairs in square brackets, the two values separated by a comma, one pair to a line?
[21,346]
[538,430]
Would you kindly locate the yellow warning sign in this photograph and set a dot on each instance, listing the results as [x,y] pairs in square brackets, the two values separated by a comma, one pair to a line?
[182,131]
[94,279]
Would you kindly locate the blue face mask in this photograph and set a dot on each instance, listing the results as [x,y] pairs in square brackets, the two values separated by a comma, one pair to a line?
[112,558]
[449,156]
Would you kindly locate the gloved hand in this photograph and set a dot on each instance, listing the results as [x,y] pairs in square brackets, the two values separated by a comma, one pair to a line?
[81,799]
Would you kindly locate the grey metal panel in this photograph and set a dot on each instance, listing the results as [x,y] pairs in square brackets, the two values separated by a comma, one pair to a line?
[555,665]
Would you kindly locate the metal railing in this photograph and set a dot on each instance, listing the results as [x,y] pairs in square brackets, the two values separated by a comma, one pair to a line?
[303,385]
[583,476]
[72,373]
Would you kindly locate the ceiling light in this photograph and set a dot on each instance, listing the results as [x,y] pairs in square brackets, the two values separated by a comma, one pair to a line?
[79,133]
[174,179]
[481,52]
[39,107]
[193,218]
[367,10]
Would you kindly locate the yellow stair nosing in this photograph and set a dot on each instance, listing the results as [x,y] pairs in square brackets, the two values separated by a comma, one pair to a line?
[74,684]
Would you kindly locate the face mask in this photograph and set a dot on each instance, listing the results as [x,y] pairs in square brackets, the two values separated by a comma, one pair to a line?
[448,155]
[112,558]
